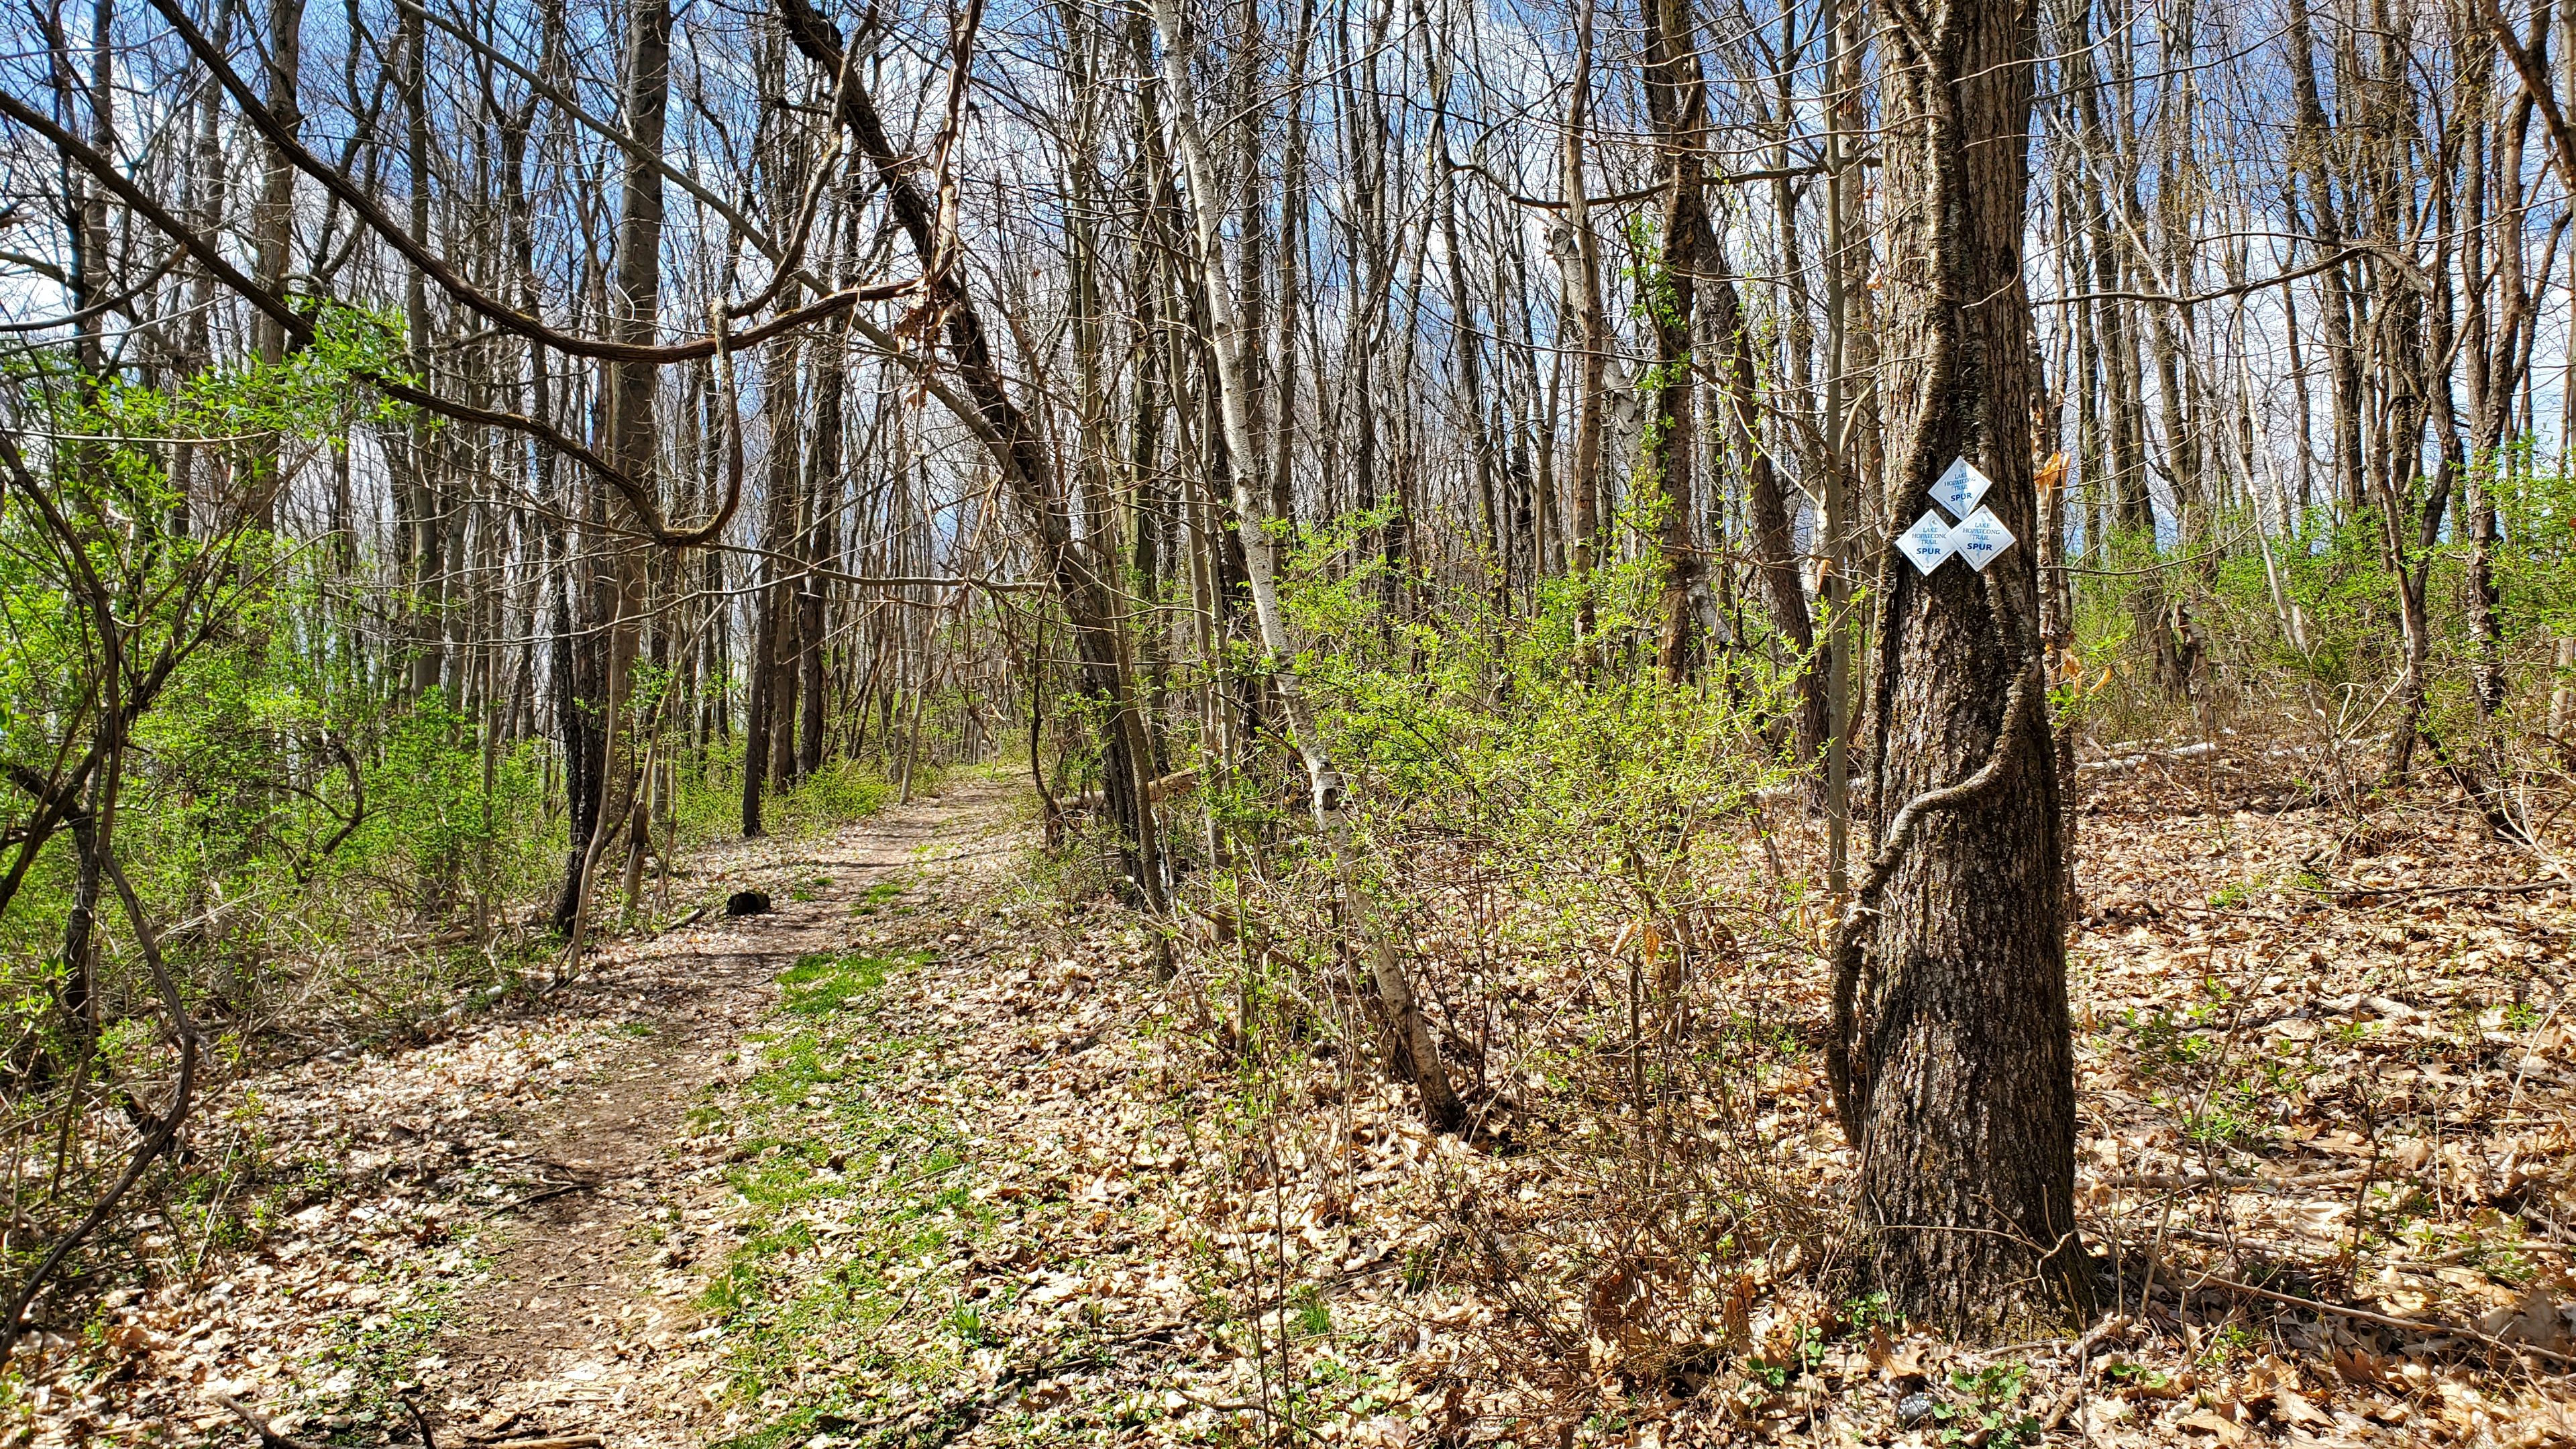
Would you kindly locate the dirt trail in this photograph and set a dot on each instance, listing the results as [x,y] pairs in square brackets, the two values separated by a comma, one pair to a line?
[587,1288]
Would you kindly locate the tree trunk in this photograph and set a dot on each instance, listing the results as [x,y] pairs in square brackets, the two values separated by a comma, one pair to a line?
[1953,1057]
[1774,551]
[1418,1054]
[1019,452]
[822,544]
[601,659]
[2309,142]
[1677,100]
[272,232]
[778,603]
[420,531]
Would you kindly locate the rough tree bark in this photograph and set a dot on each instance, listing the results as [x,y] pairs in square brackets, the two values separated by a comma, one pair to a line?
[1677,102]
[1578,254]
[1952,1055]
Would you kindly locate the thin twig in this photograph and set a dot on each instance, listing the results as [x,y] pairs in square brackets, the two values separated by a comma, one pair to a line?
[269,1438]
[537,1197]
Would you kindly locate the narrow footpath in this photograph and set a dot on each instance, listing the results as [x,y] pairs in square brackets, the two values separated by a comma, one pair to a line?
[586,1289]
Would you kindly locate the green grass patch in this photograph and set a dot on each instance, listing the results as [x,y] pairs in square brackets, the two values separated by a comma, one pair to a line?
[840,1292]
[825,983]
[878,897]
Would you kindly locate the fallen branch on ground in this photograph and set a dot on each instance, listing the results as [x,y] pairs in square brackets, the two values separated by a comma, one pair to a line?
[2383,1320]
[2519,888]
[269,1438]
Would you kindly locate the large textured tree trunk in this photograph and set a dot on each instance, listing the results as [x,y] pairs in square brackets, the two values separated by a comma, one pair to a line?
[821,548]
[778,610]
[1677,102]
[2311,143]
[1953,1055]
[211,182]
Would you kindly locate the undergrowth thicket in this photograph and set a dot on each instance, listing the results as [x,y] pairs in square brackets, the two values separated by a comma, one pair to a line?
[1610,889]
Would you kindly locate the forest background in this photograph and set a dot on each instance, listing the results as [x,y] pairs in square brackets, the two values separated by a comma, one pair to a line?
[1411,487]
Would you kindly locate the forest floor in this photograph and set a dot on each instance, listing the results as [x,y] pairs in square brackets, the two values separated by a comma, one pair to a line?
[930,1156]
[509,1226]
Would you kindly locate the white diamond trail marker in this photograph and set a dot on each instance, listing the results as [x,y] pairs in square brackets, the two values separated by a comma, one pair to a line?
[1959,488]
[1979,538]
[1927,543]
